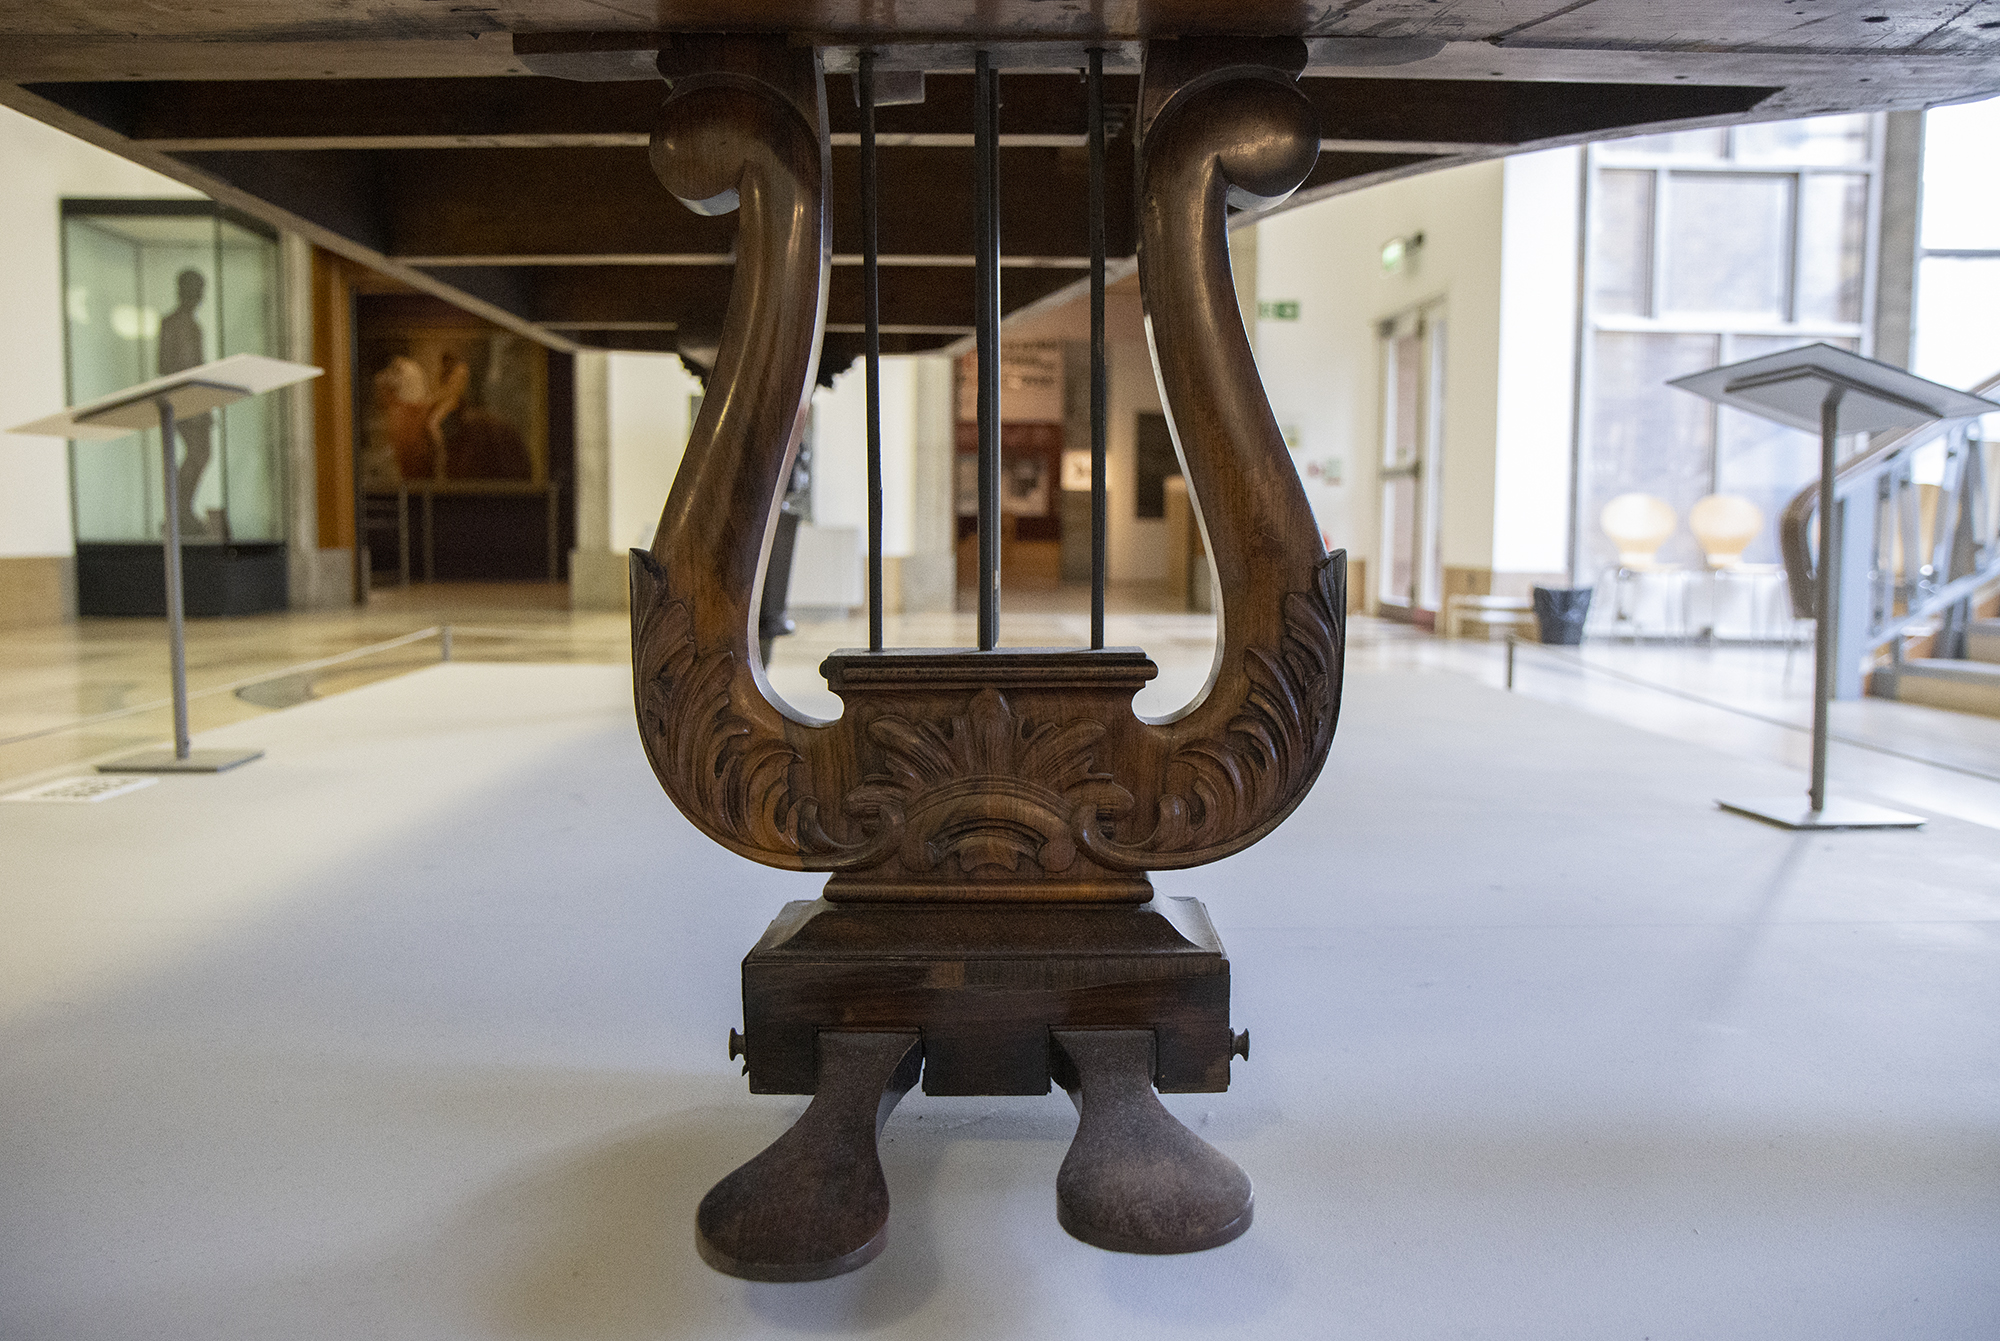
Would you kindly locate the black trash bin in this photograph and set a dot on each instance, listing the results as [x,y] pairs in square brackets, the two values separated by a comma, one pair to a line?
[1559,614]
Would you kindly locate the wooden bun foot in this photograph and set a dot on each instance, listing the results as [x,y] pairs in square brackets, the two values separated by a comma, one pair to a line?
[814,1204]
[1135,1180]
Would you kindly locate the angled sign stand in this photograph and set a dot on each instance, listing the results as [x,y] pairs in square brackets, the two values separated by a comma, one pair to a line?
[1828,390]
[160,403]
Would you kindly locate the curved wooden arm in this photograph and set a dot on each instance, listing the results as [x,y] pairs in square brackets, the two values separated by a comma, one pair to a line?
[989,776]
[1225,124]
[730,141]
[745,136]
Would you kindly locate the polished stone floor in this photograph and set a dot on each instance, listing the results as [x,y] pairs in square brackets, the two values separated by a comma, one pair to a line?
[413,1030]
[51,677]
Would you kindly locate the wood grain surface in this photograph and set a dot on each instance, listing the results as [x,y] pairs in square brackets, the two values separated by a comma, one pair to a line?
[1000,776]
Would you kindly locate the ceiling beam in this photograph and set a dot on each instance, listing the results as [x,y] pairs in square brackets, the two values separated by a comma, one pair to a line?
[535,112]
[692,299]
[445,204]
[329,213]
[529,112]
[1510,112]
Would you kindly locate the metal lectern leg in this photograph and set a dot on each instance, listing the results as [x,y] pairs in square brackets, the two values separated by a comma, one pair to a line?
[1821,813]
[1824,642]
[182,758]
[176,603]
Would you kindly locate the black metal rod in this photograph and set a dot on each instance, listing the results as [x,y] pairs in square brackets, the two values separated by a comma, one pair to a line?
[986,324]
[1099,377]
[872,307]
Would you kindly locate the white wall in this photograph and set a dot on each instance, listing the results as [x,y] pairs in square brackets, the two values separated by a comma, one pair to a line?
[648,397]
[1540,244]
[1957,342]
[1135,547]
[840,453]
[40,166]
[1323,372]
[1499,257]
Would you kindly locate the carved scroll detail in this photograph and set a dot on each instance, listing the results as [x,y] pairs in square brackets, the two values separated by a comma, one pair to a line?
[742,783]
[985,794]
[986,776]
[1225,793]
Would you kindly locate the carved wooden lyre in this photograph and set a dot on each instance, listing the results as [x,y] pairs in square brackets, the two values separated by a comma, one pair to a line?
[987,818]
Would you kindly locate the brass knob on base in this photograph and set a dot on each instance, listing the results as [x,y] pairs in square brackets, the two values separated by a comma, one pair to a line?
[1239,1044]
[736,1048]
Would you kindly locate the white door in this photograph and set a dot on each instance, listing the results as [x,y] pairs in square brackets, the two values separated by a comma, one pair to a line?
[1412,354]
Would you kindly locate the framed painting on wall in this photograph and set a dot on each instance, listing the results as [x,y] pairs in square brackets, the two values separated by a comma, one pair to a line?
[449,403]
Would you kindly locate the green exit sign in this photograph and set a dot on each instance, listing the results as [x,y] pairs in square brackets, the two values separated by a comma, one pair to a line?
[1282,311]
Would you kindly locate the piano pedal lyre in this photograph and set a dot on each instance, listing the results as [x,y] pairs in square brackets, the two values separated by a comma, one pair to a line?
[987,818]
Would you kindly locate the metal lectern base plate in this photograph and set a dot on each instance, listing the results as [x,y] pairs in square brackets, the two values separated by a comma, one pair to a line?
[162,760]
[1793,812]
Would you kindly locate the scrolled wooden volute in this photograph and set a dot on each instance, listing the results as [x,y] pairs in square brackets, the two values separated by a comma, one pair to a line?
[1222,123]
[1006,775]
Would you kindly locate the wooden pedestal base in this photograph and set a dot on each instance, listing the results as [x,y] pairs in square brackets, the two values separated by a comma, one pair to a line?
[984,984]
[845,1001]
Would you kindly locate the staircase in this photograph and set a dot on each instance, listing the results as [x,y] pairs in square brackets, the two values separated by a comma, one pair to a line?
[1917,532]
[1967,683]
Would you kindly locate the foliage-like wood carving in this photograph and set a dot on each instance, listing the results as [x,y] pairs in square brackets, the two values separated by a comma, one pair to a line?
[986,792]
[735,781]
[1223,794]
[1004,775]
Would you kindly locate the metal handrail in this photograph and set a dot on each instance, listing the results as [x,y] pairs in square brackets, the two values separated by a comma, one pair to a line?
[1962,549]
[444,633]
[1576,661]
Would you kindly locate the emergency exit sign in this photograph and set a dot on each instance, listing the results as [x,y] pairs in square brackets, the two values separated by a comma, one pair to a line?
[1287,310]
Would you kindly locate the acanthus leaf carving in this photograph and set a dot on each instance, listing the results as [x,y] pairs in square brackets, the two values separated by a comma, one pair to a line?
[743,782]
[985,794]
[1224,793]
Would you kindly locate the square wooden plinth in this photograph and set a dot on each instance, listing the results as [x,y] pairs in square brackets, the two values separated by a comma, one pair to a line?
[984,984]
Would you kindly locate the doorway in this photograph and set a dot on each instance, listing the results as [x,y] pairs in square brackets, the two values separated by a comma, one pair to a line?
[1412,346]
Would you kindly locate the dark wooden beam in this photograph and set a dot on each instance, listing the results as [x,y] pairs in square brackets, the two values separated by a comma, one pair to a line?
[1511,112]
[449,181]
[494,202]
[518,112]
[935,300]
[342,192]
[838,349]
[535,112]
[1848,26]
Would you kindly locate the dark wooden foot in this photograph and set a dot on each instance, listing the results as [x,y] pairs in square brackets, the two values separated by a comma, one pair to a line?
[1135,1180]
[815,1204]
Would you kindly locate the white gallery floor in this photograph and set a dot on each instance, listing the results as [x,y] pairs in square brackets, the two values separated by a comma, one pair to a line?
[416,1029]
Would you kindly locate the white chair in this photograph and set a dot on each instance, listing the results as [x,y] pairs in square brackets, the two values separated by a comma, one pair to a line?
[1724,525]
[1637,525]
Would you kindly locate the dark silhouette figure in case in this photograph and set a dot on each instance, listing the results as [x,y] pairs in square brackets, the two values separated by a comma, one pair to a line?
[181,349]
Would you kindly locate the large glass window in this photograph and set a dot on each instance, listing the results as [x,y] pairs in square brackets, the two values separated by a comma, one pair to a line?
[1958,274]
[1707,247]
[1623,274]
[1728,244]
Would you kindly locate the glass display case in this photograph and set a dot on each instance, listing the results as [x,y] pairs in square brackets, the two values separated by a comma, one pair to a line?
[153,287]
